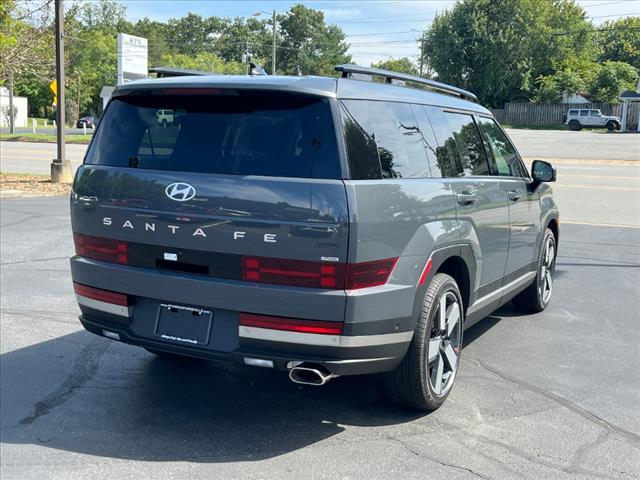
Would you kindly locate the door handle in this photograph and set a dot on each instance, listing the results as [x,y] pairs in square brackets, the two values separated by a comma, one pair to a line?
[514,195]
[466,198]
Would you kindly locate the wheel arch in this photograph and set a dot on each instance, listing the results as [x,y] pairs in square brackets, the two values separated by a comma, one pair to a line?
[552,224]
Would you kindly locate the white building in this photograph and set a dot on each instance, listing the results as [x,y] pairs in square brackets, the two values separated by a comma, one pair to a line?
[20,103]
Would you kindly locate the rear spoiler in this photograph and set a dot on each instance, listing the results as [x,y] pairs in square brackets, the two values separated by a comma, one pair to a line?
[165,72]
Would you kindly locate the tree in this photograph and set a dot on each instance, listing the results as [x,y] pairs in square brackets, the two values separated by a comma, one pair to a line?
[26,36]
[400,65]
[193,34]
[243,35]
[548,90]
[498,49]
[208,62]
[309,46]
[619,41]
[613,78]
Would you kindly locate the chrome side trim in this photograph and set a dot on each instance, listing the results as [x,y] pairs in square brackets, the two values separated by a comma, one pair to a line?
[119,310]
[509,287]
[323,340]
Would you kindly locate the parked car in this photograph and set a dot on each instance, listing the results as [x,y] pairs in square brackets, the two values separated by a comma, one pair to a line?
[318,226]
[89,122]
[577,119]
[165,116]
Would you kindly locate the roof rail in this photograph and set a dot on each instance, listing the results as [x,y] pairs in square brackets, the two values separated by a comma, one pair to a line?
[349,69]
[163,72]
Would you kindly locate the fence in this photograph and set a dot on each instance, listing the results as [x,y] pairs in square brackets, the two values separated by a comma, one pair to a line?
[546,114]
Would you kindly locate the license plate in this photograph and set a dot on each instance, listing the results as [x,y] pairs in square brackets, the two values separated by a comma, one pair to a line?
[181,324]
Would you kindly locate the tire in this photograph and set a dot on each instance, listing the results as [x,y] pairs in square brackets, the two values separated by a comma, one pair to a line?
[612,126]
[574,125]
[421,383]
[536,296]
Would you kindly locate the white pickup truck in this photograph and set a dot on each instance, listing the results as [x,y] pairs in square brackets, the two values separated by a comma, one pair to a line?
[577,119]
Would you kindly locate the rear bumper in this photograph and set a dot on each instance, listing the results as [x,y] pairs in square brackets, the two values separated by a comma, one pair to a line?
[282,355]
[375,345]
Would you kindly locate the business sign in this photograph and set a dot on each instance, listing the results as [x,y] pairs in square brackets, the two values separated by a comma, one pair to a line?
[132,58]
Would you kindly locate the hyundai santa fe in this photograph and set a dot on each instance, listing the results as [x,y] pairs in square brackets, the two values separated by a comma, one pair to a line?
[317,226]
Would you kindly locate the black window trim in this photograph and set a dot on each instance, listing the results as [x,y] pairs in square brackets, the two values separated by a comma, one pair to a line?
[518,156]
[484,147]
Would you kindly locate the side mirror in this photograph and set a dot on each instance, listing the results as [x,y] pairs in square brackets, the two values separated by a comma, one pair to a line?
[542,171]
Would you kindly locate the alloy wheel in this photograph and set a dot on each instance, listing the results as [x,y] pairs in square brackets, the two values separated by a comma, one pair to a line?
[545,283]
[443,352]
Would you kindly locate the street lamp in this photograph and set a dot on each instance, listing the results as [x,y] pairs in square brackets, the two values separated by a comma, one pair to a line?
[273,47]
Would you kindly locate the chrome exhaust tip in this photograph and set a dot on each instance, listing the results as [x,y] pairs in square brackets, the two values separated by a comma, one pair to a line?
[310,375]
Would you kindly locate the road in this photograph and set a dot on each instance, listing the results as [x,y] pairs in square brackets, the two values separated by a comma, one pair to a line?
[553,395]
[564,144]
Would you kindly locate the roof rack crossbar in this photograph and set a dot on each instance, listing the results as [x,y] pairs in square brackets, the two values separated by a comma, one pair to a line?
[349,69]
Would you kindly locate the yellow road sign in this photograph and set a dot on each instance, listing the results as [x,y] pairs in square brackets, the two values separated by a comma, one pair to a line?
[54,87]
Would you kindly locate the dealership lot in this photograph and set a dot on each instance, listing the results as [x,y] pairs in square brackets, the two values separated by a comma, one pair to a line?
[553,395]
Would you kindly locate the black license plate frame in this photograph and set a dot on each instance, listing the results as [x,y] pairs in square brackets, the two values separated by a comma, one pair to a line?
[183,324]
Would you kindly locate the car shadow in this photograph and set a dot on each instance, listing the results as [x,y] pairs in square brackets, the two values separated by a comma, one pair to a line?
[86,394]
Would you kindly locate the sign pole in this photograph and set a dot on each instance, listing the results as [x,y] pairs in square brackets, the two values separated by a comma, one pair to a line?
[60,166]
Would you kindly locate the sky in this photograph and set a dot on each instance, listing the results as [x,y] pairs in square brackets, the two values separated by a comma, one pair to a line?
[377,30]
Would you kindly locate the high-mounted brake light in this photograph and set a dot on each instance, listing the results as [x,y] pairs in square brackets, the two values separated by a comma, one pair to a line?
[290,324]
[103,249]
[317,274]
[191,91]
[101,295]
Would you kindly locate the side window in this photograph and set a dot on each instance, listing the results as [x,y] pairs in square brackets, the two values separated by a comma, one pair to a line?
[362,154]
[584,113]
[398,139]
[438,169]
[573,112]
[447,154]
[595,113]
[467,138]
[500,148]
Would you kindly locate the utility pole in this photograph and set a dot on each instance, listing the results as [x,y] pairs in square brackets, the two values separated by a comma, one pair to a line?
[421,52]
[273,52]
[60,166]
[12,120]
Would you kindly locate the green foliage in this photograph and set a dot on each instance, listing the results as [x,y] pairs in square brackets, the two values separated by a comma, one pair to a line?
[308,45]
[619,41]
[400,65]
[548,90]
[208,62]
[613,78]
[498,49]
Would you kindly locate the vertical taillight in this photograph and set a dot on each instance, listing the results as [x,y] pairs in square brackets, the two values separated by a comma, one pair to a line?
[103,249]
[301,273]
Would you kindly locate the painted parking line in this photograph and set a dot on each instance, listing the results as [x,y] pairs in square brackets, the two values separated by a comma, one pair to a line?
[612,177]
[598,187]
[593,224]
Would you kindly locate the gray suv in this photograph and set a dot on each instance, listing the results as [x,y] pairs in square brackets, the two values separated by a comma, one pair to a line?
[318,226]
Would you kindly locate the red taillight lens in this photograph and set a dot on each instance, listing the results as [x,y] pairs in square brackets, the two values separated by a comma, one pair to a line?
[101,248]
[317,274]
[290,325]
[101,295]
[293,272]
[369,274]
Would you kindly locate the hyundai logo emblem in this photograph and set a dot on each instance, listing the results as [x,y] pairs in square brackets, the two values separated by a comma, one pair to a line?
[180,192]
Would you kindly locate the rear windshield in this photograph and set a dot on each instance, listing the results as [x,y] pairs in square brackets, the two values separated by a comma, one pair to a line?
[252,133]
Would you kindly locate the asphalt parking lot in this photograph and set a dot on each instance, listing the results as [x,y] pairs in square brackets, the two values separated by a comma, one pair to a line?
[553,395]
